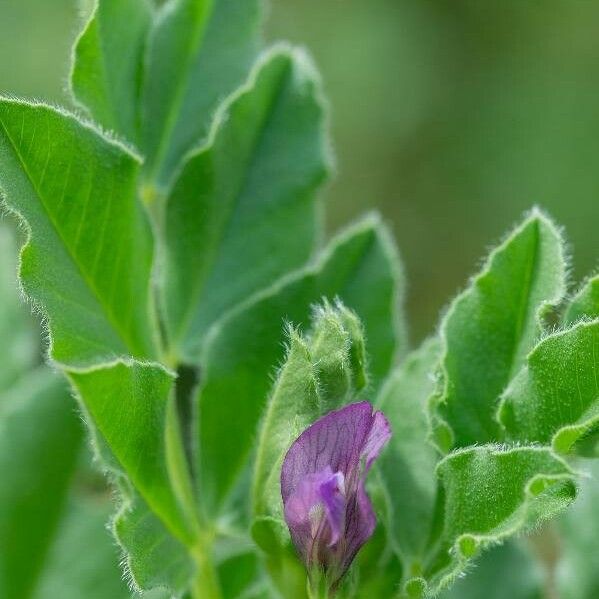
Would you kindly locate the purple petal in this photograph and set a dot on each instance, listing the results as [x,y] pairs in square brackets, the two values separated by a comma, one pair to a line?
[344,442]
[379,434]
[332,492]
[315,512]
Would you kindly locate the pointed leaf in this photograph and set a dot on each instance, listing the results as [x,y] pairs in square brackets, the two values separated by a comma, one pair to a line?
[492,494]
[492,325]
[555,398]
[88,257]
[257,175]
[198,52]
[585,304]
[338,353]
[107,68]
[408,464]
[153,557]
[361,268]
[127,402]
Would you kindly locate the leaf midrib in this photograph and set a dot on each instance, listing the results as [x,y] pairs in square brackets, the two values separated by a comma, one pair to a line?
[171,119]
[199,285]
[89,283]
[524,302]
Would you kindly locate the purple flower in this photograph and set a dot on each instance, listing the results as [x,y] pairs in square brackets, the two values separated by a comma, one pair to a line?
[326,506]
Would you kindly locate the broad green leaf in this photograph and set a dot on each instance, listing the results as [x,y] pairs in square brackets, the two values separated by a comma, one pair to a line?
[555,397]
[492,494]
[585,304]
[16,326]
[408,464]
[83,560]
[130,411]
[107,64]
[316,377]
[153,557]
[492,325]
[229,212]
[506,572]
[198,52]
[40,437]
[577,574]
[361,268]
[88,257]
[128,403]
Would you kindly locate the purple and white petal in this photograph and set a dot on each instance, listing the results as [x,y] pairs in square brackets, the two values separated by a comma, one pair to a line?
[322,485]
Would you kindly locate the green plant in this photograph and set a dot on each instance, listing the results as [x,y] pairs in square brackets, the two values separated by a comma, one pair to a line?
[173,225]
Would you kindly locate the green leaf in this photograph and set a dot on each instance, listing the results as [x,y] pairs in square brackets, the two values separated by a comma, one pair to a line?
[129,408]
[198,52]
[577,574]
[40,437]
[361,268]
[492,325]
[107,64]
[153,557]
[555,397]
[505,571]
[492,494]
[128,403]
[408,464]
[257,174]
[88,257]
[292,406]
[585,304]
[16,327]
[338,352]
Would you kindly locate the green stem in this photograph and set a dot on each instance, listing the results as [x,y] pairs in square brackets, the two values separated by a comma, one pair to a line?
[317,586]
[205,583]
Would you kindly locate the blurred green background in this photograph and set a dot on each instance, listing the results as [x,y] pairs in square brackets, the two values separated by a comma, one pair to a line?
[451,117]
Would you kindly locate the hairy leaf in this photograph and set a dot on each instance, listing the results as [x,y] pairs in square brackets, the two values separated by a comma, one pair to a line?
[198,52]
[555,398]
[361,268]
[153,557]
[88,257]
[408,464]
[491,494]
[128,403]
[229,213]
[492,325]
[107,64]
[585,304]
[292,406]
[40,437]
